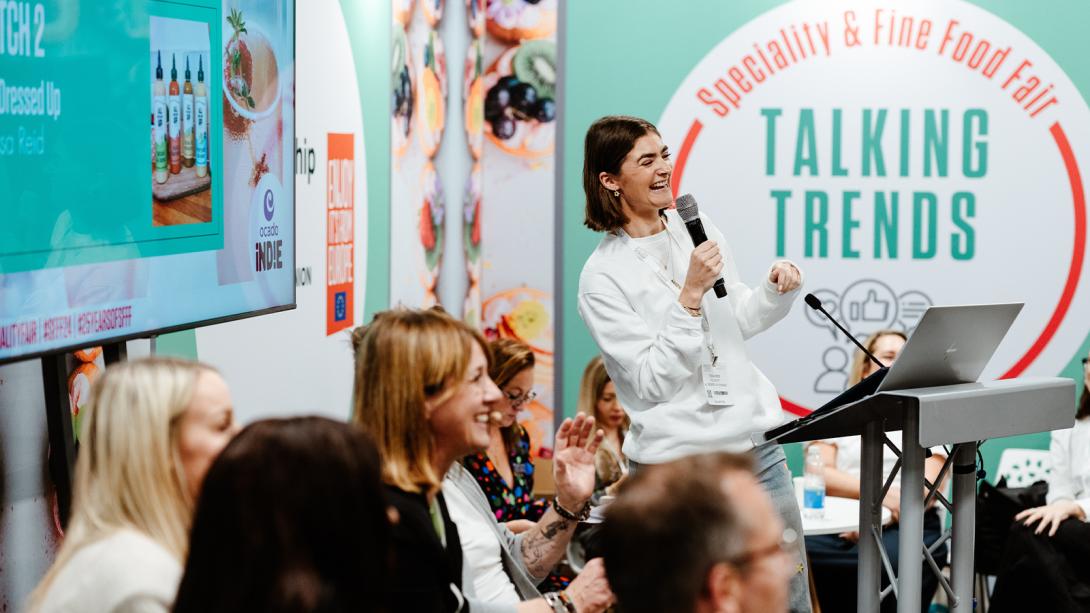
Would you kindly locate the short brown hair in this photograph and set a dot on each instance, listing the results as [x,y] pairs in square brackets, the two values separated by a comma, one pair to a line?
[607,143]
[509,358]
[403,358]
[679,511]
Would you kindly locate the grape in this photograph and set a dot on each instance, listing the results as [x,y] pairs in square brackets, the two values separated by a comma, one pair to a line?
[524,99]
[545,111]
[496,101]
[503,127]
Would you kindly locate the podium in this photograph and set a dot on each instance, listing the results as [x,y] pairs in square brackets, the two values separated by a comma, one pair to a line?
[960,415]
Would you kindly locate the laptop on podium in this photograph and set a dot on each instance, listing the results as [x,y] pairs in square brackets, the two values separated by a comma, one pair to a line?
[950,345]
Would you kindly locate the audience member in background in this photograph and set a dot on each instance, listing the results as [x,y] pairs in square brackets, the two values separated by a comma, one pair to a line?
[697,534]
[291,518]
[505,470]
[151,429]
[1044,566]
[598,397]
[424,394]
[834,559]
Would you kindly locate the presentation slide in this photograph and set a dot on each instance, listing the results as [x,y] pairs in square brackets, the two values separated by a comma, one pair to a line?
[114,227]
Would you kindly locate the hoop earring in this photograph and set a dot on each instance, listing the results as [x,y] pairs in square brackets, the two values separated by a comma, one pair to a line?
[616,193]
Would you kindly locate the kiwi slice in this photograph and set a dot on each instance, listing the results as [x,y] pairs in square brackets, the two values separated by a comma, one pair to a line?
[535,63]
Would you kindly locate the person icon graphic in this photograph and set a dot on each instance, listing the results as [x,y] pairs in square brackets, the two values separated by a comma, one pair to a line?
[835,378]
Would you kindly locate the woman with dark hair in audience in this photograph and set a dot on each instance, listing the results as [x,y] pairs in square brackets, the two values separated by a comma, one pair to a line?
[291,518]
[834,559]
[505,471]
[151,428]
[424,394]
[1044,561]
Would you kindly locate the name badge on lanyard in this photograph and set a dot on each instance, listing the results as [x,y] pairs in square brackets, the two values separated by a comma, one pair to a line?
[712,372]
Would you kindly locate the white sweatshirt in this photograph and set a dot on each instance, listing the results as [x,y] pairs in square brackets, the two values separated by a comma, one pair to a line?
[653,349]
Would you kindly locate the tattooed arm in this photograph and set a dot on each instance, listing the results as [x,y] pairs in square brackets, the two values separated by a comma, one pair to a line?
[545,544]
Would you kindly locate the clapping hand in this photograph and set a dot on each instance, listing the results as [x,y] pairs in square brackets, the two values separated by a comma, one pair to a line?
[573,461]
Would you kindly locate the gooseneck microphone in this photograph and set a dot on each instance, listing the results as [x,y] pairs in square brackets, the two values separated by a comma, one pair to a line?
[690,214]
[814,302]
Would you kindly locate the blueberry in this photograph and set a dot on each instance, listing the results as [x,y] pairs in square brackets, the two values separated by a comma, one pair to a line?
[524,99]
[508,82]
[496,101]
[503,127]
[545,110]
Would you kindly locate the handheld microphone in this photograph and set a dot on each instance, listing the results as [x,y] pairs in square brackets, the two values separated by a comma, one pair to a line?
[814,302]
[690,214]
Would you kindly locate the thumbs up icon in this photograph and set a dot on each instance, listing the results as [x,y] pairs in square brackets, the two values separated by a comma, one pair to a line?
[871,309]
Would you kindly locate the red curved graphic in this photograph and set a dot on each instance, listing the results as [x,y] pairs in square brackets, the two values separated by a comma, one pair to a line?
[683,154]
[1074,272]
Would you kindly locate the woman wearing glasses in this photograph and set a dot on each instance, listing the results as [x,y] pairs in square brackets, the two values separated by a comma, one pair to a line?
[1044,560]
[505,470]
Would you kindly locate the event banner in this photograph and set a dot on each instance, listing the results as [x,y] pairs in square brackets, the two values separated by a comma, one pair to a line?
[117,227]
[518,201]
[904,156]
[300,361]
[478,238]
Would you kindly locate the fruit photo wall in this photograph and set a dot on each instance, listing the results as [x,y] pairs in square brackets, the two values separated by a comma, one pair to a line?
[473,112]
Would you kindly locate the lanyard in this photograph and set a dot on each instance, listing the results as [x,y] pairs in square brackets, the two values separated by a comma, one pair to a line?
[660,271]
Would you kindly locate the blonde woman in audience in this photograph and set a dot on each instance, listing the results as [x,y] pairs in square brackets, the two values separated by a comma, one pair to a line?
[151,430]
[424,394]
[598,397]
[834,559]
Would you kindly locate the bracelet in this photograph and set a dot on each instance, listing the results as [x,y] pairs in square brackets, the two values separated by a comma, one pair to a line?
[553,600]
[691,311]
[567,601]
[583,514]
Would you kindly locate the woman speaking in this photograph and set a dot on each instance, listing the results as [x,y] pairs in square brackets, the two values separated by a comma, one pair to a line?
[677,356]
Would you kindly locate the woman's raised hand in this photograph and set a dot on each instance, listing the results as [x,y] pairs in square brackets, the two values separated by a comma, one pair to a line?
[573,461]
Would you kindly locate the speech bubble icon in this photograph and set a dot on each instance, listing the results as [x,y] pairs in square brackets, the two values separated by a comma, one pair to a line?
[868,305]
[831,303]
[913,305]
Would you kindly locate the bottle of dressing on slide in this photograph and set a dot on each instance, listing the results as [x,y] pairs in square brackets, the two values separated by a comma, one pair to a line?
[187,119]
[159,109]
[175,125]
[200,121]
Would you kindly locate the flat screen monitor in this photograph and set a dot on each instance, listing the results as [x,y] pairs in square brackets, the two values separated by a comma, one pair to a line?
[146,168]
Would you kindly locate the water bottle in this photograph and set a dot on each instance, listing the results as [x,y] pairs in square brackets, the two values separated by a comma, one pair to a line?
[813,492]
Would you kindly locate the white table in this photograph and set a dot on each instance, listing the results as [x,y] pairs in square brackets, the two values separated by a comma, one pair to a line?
[841,515]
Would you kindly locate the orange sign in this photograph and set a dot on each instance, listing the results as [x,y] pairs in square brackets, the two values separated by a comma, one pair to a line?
[340,232]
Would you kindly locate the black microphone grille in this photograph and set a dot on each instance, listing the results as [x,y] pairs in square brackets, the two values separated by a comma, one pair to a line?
[813,302]
[686,207]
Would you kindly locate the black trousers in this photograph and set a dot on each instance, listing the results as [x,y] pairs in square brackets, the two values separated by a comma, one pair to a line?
[834,563]
[1043,573]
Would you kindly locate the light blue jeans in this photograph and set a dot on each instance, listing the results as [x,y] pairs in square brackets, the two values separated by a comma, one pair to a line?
[770,467]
